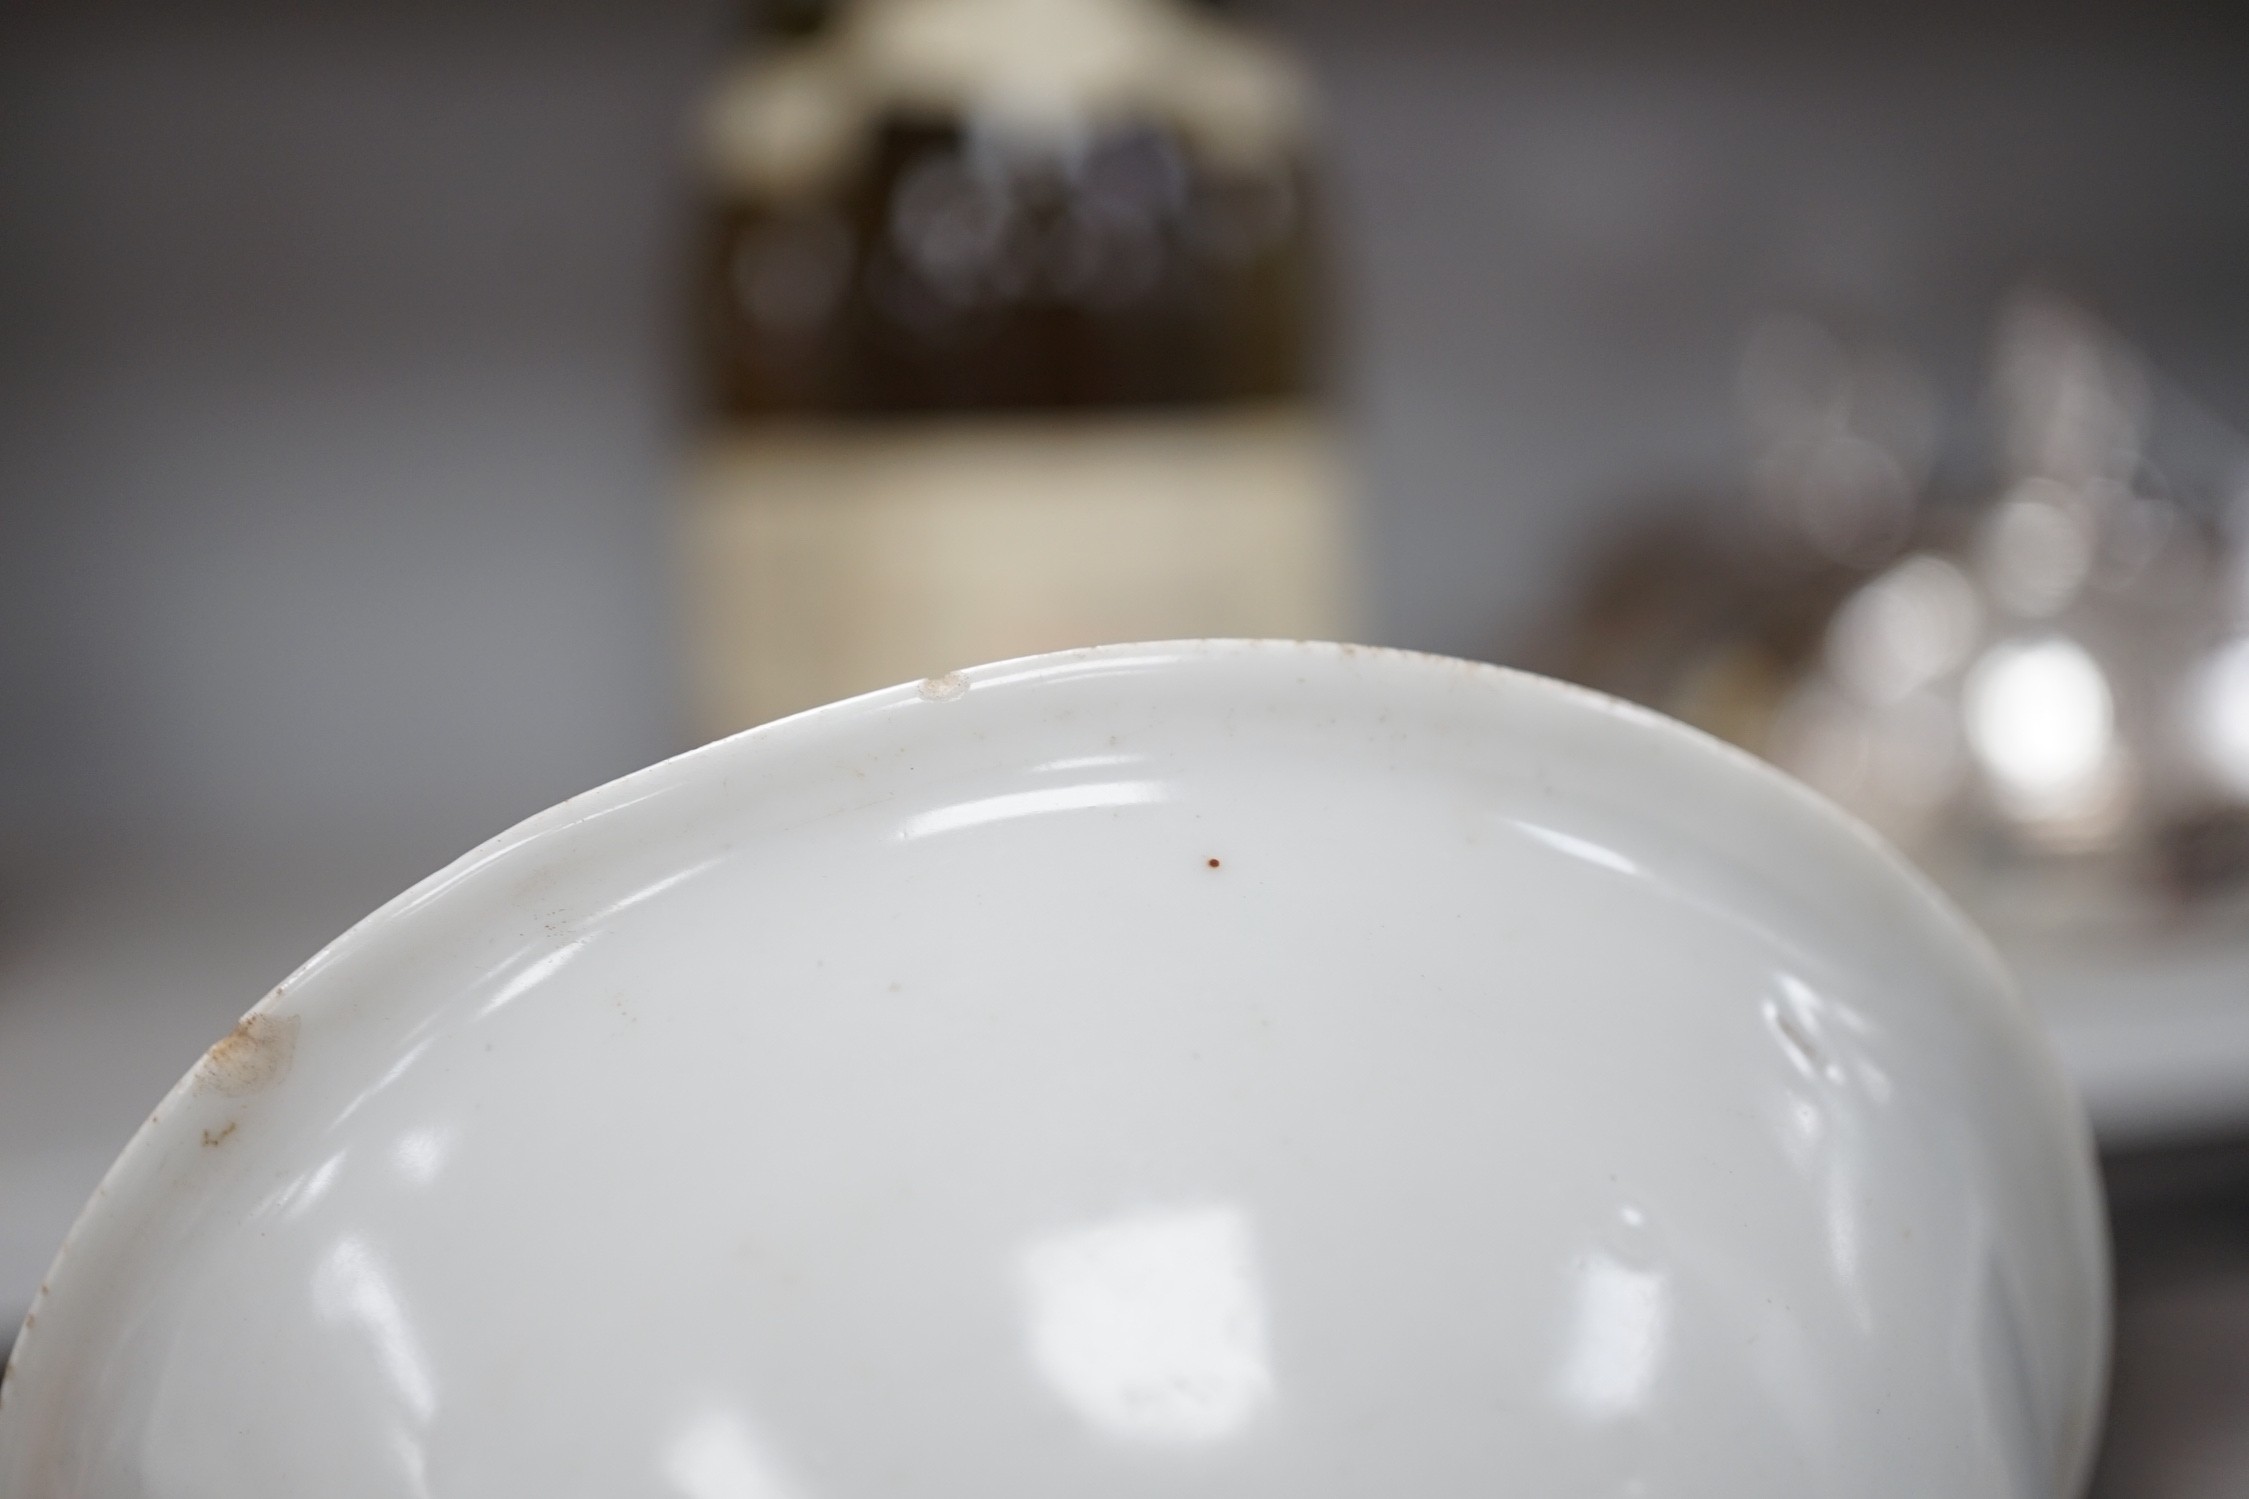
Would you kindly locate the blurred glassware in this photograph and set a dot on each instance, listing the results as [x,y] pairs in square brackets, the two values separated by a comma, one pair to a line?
[2043,695]
[1712,612]
[1010,342]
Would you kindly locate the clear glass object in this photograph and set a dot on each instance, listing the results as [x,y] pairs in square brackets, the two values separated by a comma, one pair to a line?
[2042,694]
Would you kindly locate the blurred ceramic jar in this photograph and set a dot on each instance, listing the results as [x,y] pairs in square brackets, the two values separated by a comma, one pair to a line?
[1010,328]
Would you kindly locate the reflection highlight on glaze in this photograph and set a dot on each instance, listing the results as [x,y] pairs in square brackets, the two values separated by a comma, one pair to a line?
[712,1456]
[1823,1140]
[1077,763]
[1620,1319]
[1583,849]
[1801,1129]
[302,1192]
[1039,803]
[650,891]
[1152,1327]
[1841,1211]
[375,1089]
[350,1287]
[1076,666]
[1798,1018]
[420,1154]
[532,975]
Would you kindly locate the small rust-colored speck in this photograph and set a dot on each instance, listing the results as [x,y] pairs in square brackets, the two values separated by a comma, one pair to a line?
[218,1137]
[1214,863]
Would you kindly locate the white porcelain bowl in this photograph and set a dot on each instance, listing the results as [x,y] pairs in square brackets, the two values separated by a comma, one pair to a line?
[1263,1070]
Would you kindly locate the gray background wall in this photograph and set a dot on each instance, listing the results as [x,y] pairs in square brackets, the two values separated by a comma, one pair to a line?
[336,398]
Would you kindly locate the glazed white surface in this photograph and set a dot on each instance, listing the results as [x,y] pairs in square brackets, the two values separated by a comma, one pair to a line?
[1534,1097]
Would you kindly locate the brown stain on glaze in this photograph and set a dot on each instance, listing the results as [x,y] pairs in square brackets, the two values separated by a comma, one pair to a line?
[255,1054]
[1213,863]
[218,1136]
